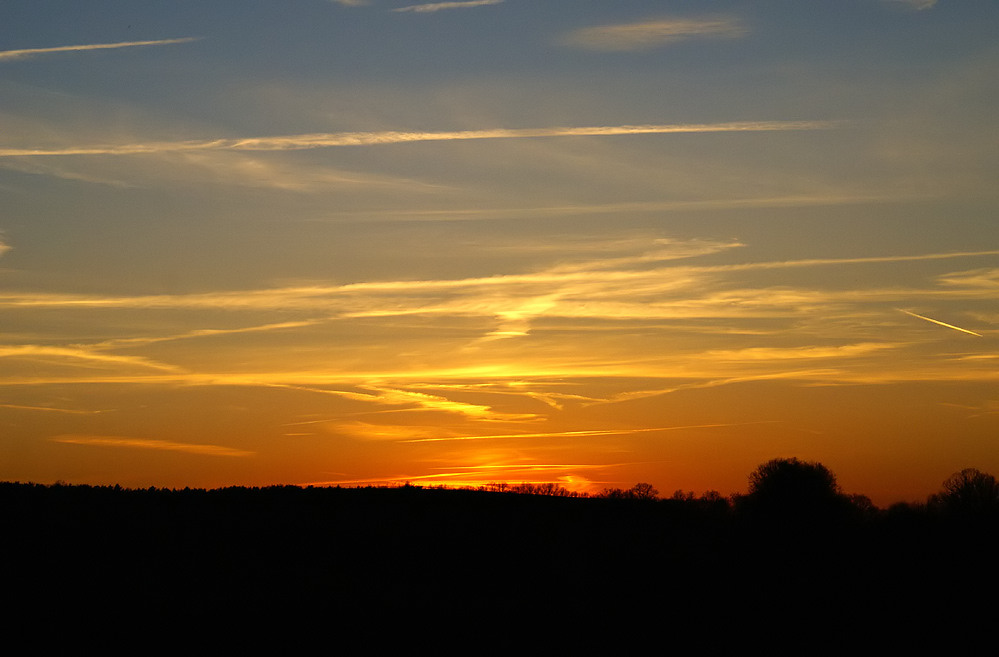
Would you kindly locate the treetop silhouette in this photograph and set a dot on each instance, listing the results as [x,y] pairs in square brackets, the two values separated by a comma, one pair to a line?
[786,478]
[969,491]
[796,490]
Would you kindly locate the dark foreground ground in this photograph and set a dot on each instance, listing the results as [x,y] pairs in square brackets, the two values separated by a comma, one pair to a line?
[347,561]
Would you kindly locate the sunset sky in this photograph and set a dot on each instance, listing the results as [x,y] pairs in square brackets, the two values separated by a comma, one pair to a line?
[590,242]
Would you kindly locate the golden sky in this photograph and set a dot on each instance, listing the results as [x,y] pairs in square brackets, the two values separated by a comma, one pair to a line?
[574,241]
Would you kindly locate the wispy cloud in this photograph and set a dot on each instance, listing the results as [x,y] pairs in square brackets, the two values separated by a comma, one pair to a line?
[574,434]
[142,443]
[201,333]
[534,212]
[329,140]
[49,409]
[516,326]
[588,288]
[918,5]
[411,400]
[761,354]
[213,167]
[426,402]
[31,52]
[4,247]
[653,33]
[986,279]
[85,354]
[439,6]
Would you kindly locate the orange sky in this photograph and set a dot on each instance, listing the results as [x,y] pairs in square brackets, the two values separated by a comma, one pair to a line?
[595,243]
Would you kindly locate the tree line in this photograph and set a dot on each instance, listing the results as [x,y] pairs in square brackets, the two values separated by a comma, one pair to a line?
[794,485]
[794,550]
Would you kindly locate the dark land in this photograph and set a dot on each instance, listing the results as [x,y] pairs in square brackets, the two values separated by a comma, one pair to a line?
[706,567]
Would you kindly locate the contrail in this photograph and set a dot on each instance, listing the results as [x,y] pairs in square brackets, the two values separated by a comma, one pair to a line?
[936,321]
[334,139]
[438,6]
[580,434]
[18,54]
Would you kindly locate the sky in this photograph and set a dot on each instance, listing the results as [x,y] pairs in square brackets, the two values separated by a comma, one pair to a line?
[589,242]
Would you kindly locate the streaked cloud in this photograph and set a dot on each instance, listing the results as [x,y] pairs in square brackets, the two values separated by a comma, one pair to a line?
[427,402]
[413,400]
[337,139]
[201,333]
[939,323]
[608,288]
[31,52]
[986,279]
[211,167]
[918,5]
[52,168]
[472,214]
[653,33]
[49,409]
[439,6]
[86,355]
[588,433]
[797,353]
[143,443]
[579,317]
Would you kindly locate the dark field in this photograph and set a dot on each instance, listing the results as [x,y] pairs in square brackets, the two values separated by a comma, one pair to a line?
[345,558]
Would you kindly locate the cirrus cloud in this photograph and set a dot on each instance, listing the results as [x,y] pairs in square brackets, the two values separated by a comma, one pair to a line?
[439,6]
[652,33]
[142,443]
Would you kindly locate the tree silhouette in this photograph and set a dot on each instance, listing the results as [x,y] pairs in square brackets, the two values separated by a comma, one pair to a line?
[643,491]
[792,478]
[793,489]
[970,492]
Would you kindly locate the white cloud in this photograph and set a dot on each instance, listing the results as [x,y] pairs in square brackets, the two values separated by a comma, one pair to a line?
[652,33]
[438,6]
[30,52]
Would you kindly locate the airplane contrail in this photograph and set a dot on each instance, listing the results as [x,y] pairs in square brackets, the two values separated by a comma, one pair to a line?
[28,52]
[579,434]
[337,139]
[936,321]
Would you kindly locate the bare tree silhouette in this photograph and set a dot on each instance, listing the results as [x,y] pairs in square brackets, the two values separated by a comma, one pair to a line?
[644,491]
[969,491]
